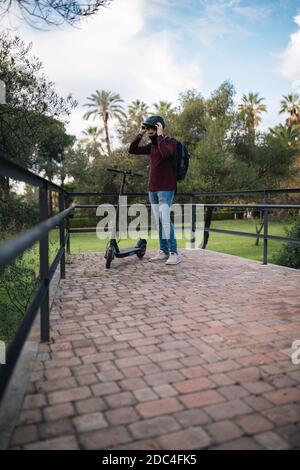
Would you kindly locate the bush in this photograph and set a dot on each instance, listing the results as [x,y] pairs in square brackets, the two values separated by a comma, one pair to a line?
[17,214]
[289,254]
[226,215]
[18,283]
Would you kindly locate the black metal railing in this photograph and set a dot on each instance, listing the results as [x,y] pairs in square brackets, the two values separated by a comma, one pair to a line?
[10,249]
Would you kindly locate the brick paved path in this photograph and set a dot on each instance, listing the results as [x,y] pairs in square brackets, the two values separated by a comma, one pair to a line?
[147,356]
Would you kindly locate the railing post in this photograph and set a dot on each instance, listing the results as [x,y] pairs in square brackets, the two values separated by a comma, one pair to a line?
[44,264]
[266,217]
[68,227]
[62,236]
[193,222]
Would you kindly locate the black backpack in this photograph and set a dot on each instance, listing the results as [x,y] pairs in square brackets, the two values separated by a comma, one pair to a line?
[183,159]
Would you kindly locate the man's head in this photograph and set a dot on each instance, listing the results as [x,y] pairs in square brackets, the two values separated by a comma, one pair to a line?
[150,124]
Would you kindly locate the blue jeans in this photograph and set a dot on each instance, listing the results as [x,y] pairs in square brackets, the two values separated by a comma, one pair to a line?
[161,202]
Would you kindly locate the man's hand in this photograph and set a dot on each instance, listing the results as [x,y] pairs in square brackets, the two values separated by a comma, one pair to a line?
[160,130]
[142,130]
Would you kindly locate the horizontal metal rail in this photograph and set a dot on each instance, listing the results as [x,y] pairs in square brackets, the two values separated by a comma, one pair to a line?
[15,171]
[189,194]
[14,247]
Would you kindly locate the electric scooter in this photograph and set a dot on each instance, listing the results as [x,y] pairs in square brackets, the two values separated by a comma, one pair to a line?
[113,249]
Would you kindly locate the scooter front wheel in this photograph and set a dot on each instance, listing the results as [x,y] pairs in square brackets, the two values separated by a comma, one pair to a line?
[110,254]
[142,244]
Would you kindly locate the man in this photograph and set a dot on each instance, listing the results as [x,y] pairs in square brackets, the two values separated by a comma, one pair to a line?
[162,182]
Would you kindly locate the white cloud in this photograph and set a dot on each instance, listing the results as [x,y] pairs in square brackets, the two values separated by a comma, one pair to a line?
[114,51]
[290,59]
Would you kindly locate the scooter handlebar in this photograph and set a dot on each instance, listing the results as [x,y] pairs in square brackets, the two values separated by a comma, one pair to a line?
[125,172]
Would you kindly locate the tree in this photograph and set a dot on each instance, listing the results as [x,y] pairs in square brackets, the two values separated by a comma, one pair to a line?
[128,127]
[51,152]
[291,104]
[105,105]
[288,135]
[251,108]
[29,98]
[164,109]
[137,111]
[93,141]
[50,12]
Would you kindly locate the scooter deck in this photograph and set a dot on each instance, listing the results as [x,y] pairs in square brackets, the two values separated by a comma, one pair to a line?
[127,252]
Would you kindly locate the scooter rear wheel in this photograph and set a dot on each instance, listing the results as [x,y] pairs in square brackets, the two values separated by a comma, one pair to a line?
[142,244]
[110,254]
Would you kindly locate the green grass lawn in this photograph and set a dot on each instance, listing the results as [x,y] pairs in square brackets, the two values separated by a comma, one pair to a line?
[231,244]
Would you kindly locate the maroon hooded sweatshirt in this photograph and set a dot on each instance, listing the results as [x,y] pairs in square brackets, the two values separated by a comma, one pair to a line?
[162,175]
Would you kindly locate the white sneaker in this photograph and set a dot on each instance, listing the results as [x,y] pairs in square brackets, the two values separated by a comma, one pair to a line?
[161,256]
[174,258]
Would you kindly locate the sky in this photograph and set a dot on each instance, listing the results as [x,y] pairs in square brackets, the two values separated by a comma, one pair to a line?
[153,50]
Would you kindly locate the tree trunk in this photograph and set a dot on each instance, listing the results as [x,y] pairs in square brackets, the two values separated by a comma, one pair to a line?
[107,136]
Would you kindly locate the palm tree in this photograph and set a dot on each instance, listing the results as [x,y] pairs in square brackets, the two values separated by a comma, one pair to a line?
[105,105]
[291,104]
[163,108]
[252,107]
[288,136]
[137,111]
[93,140]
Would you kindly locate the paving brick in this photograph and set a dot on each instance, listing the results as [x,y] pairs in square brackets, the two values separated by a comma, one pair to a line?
[221,366]
[191,372]
[227,410]
[258,388]
[165,390]
[105,388]
[158,407]
[284,414]
[248,374]
[153,427]
[104,439]
[258,403]
[132,361]
[57,428]
[194,417]
[253,423]
[52,413]
[193,385]
[271,441]
[90,422]
[34,401]
[132,384]
[224,431]
[25,434]
[283,396]
[117,400]
[123,415]
[195,400]
[192,438]
[58,373]
[58,384]
[30,416]
[232,392]
[90,405]
[163,378]
[71,394]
